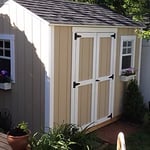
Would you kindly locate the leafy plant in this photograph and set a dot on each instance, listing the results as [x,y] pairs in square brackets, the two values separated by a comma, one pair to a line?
[20,129]
[64,137]
[23,126]
[134,108]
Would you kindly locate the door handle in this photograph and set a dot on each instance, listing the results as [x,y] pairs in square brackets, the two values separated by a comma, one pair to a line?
[97,80]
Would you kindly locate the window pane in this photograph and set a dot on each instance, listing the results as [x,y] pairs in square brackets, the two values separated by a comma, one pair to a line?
[1,44]
[5,65]
[126,62]
[124,43]
[1,52]
[7,53]
[129,43]
[129,50]
[7,44]
[124,50]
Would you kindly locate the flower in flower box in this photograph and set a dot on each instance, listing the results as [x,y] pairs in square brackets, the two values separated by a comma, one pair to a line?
[5,80]
[128,72]
[4,77]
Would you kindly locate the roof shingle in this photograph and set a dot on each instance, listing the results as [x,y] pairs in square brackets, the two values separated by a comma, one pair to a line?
[67,12]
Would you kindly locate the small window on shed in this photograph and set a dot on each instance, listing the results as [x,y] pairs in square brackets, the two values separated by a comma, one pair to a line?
[7,55]
[127,52]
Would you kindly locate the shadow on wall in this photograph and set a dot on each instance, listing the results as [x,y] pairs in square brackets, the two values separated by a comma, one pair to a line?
[25,100]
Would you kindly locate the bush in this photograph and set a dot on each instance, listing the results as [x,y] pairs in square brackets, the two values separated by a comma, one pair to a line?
[134,108]
[63,137]
[147,121]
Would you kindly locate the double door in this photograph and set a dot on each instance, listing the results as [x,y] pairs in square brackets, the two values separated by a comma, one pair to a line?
[92,78]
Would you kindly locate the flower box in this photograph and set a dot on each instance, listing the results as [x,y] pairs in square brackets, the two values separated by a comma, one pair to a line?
[127,78]
[5,86]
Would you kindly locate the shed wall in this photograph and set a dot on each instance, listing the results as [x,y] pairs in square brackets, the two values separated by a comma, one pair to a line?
[119,85]
[62,72]
[26,99]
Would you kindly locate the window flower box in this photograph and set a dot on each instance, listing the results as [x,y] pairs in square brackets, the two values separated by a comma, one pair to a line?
[127,78]
[5,86]
[128,75]
[5,81]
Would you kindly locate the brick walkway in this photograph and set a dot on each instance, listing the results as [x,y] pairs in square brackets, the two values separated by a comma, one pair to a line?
[109,133]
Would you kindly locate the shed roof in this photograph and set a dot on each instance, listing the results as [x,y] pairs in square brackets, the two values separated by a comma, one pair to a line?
[74,13]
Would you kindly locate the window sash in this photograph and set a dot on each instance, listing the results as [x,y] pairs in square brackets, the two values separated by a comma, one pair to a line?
[127,49]
[8,47]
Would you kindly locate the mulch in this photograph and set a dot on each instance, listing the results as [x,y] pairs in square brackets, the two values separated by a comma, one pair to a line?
[110,132]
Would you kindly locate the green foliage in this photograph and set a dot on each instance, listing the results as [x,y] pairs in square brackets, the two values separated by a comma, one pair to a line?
[147,121]
[23,126]
[134,108]
[143,34]
[64,137]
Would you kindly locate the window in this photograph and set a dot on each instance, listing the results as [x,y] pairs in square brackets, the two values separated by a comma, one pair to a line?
[7,55]
[127,52]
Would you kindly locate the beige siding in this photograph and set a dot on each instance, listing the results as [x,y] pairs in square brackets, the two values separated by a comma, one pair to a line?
[119,85]
[62,73]
[26,99]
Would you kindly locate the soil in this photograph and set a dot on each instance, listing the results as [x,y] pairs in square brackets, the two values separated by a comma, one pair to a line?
[17,132]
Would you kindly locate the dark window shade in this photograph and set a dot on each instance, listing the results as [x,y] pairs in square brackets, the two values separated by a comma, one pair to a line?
[126,62]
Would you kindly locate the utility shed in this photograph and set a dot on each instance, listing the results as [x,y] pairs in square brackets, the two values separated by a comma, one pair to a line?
[65,61]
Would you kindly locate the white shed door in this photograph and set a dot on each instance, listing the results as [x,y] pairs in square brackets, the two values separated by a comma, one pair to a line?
[92,78]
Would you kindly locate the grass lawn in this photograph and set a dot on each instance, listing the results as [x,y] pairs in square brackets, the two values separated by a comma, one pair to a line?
[136,141]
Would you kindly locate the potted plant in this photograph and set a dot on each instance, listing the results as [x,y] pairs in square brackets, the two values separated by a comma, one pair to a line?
[5,80]
[18,137]
[128,74]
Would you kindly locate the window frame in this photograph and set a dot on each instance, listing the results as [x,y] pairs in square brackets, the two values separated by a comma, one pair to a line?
[11,38]
[131,38]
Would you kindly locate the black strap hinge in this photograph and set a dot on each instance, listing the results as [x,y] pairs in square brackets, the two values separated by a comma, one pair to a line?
[112,76]
[114,35]
[75,84]
[77,36]
[109,116]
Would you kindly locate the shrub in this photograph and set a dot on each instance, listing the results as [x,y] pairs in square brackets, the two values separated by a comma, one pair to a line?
[134,108]
[147,121]
[64,137]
